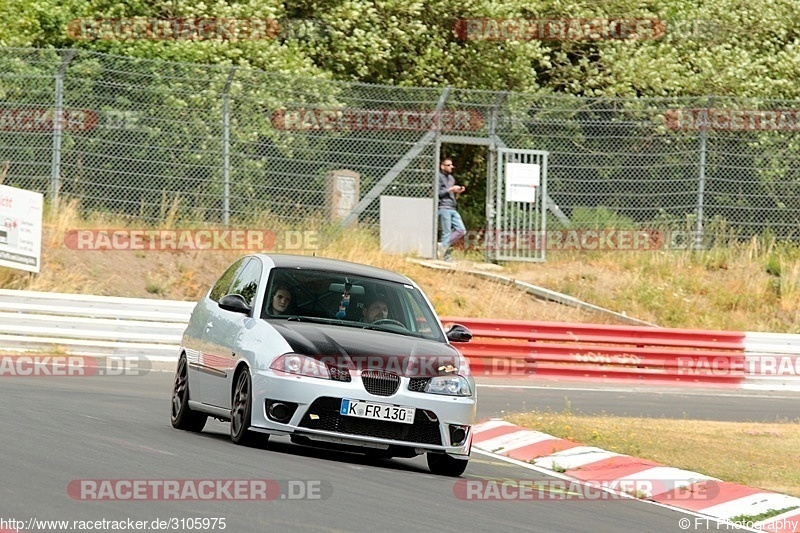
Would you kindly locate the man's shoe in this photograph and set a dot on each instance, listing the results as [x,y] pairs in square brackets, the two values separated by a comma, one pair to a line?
[441,251]
[449,258]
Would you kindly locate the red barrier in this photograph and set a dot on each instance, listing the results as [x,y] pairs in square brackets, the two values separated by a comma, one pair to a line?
[571,350]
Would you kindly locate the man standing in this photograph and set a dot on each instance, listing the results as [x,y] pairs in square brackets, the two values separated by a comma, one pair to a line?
[451,227]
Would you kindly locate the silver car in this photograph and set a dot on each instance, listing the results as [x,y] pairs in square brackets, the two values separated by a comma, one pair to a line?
[330,353]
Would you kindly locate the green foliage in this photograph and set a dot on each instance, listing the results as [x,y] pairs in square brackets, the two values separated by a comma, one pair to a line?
[751,519]
[470,171]
[725,48]
[53,23]
[600,218]
[773,266]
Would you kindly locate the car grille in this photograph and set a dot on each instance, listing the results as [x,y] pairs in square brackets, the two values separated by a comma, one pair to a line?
[338,374]
[380,383]
[418,384]
[326,417]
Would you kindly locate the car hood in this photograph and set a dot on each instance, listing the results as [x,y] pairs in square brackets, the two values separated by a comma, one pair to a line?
[365,349]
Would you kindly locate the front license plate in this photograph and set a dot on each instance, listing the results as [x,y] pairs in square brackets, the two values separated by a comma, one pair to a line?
[377,411]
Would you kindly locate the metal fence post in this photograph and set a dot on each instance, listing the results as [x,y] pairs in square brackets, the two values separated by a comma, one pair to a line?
[491,174]
[58,126]
[701,185]
[226,150]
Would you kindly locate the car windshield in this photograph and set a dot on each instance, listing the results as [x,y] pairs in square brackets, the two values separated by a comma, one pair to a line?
[343,299]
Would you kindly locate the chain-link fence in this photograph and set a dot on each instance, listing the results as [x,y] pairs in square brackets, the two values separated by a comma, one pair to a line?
[218,144]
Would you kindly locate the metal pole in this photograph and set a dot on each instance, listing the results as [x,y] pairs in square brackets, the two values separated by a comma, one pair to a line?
[58,126]
[543,228]
[701,185]
[488,238]
[226,150]
[491,178]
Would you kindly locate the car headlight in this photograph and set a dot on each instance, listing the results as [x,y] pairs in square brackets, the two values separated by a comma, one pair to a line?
[449,385]
[301,365]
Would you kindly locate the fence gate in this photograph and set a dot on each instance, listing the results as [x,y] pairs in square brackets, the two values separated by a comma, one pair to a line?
[516,229]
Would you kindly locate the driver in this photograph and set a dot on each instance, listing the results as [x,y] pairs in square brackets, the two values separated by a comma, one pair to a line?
[375,310]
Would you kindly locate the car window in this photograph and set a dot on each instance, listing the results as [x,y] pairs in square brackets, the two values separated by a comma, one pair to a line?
[246,282]
[419,319]
[223,284]
[345,300]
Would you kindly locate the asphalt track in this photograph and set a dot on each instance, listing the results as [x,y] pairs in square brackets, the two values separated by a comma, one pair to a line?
[58,430]
[500,397]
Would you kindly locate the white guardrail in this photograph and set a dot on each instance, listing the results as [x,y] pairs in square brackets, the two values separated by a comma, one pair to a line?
[81,324]
[772,361]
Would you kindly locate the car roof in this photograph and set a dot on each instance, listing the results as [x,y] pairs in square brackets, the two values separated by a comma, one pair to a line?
[324,263]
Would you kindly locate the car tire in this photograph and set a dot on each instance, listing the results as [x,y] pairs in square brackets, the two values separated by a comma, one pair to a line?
[442,464]
[181,416]
[241,410]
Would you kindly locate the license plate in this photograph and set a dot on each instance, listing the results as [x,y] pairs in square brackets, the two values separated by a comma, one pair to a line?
[377,411]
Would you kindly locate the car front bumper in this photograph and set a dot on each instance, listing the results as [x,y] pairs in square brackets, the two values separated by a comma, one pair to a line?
[316,416]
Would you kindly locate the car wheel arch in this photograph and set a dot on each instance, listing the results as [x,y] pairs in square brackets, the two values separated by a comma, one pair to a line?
[240,367]
[182,416]
[241,433]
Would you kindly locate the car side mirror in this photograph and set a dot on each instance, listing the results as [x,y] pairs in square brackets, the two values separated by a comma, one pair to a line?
[235,303]
[459,333]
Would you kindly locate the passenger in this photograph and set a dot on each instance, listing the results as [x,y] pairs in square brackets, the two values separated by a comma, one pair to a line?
[281,298]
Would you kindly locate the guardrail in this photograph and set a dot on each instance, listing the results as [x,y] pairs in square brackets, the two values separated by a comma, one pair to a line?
[603,351]
[139,327]
[772,360]
[91,325]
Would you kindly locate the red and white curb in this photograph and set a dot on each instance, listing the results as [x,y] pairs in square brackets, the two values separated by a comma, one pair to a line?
[671,486]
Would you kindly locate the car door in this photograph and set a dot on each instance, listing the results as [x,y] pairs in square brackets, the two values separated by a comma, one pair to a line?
[224,333]
[203,350]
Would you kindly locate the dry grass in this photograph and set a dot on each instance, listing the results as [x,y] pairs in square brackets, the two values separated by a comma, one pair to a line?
[187,275]
[750,286]
[763,455]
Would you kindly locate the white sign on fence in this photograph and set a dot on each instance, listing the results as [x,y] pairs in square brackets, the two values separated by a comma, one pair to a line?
[521,182]
[20,228]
